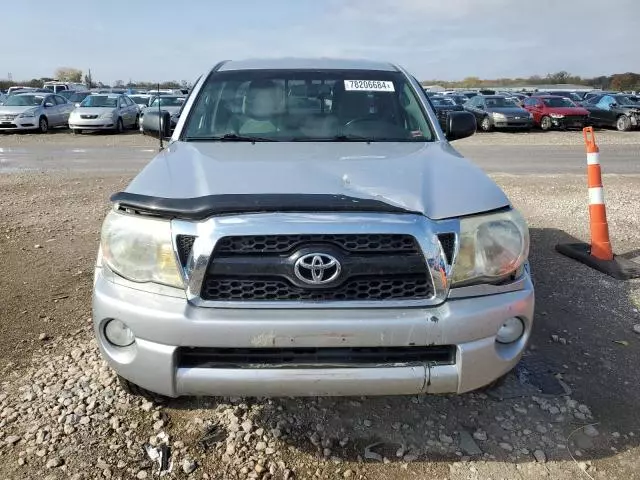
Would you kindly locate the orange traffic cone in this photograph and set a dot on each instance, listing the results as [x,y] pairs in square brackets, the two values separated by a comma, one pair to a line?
[600,243]
[599,254]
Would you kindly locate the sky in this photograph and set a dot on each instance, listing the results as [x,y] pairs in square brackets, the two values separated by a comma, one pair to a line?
[160,40]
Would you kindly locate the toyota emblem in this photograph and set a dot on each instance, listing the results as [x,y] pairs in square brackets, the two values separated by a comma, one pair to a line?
[317,268]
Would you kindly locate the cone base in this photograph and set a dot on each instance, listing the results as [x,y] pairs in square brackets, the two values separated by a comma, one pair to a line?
[619,268]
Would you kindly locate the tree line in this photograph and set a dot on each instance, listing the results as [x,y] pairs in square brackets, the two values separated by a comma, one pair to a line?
[617,81]
[74,75]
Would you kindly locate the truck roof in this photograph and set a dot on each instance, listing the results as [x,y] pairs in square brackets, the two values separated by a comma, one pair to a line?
[306,64]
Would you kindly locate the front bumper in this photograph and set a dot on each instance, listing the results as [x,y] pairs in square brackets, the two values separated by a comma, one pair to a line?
[513,123]
[91,124]
[162,324]
[569,122]
[17,123]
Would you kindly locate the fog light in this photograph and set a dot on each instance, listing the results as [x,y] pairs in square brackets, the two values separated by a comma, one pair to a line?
[118,333]
[510,331]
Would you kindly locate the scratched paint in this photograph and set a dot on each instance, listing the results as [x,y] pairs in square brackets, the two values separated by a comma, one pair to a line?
[263,340]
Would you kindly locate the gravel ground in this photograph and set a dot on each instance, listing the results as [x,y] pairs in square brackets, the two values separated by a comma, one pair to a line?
[63,415]
[61,137]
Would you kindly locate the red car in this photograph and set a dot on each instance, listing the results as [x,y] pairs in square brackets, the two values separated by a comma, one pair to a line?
[552,111]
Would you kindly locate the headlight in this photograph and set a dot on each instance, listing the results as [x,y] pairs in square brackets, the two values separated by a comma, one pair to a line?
[28,114]
[556,115]
[500,116]
[491,247]
[140,249]
[107,115]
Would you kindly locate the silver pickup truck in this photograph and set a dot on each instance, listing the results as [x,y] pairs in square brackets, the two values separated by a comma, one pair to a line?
[309,230]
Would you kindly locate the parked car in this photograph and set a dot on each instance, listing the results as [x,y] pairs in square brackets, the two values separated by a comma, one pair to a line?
[58,87]
[34,111]
[613,110]
[165,103]
[347,250]
[142,100]
[443,106]
[555,111]
[497,111]
[104,112]
[573,96]
[77,97]
[458,99]
[3,96]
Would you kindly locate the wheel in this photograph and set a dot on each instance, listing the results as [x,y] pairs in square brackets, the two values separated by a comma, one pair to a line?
[485,125]
[136,124]
[623,123]
[76,131]
[545,123]
[43,125]
[119,126]
[137,391]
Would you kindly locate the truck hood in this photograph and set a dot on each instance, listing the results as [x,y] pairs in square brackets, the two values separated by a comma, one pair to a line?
[429,178]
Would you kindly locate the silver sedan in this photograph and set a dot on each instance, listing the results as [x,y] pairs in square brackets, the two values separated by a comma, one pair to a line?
[105,112]
[34,111]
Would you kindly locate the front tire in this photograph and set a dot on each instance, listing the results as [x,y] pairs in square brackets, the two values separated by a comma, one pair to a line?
[136,124]
[485,125]
[623,123]
[43,125]
[76,131]
[545,123]
[137,391]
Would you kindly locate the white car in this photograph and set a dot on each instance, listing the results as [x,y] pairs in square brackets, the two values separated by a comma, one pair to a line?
[34,111]
[105,112]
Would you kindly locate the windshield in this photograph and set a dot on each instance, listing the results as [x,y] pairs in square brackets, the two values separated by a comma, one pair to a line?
[139,100]
[442,102]
[24,100]
[77,97]
[624,100]
[558,102]
[500,102]
[459,99]
[110,101]
[308,105]
[168,101]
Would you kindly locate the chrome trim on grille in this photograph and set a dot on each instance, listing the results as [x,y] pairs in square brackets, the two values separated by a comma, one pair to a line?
[210,231]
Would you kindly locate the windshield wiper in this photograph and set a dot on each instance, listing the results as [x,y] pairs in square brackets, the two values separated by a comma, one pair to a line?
[336,138]
[229,137]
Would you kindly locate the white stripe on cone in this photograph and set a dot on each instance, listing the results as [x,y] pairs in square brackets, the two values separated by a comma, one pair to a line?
[596,196]
[593,158]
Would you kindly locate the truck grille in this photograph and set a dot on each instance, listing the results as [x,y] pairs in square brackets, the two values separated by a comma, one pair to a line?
[374,267]
[375,288]
[286,243]
[206,357]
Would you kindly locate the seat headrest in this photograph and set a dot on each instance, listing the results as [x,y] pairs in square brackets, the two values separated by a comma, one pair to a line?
[264,99]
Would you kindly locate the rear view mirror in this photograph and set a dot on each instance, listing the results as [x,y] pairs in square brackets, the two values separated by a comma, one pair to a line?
[460,125]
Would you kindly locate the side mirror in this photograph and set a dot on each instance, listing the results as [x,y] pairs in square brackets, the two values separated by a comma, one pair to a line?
[613,105]
[48,105]
[460,125]
[480,107]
